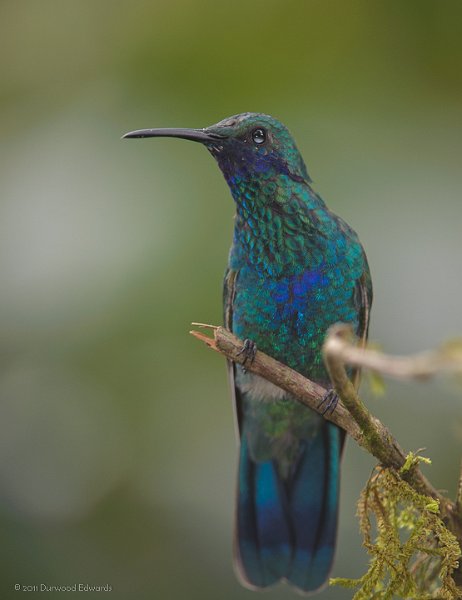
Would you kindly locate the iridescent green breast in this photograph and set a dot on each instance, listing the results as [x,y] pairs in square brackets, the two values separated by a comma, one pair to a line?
[288,310]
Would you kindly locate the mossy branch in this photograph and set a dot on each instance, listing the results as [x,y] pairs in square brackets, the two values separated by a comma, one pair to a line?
[413,554]
[340,349]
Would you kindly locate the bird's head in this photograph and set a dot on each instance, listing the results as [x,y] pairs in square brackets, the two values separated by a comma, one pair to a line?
[249,145]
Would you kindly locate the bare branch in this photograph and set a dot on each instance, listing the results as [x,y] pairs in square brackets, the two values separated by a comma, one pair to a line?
[306,391]
[424,365]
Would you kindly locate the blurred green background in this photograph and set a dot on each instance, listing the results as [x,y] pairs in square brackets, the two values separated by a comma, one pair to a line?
[117,450]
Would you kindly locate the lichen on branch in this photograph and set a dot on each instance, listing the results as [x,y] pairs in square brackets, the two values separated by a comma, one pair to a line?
[413,555]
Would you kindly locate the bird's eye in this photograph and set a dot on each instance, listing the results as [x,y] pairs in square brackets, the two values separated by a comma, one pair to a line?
[259,135]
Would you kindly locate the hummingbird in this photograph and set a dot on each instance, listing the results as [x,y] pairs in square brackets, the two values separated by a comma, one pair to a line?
[294,269]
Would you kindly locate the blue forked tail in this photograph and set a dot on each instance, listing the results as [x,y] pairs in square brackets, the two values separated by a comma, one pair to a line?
[286,526]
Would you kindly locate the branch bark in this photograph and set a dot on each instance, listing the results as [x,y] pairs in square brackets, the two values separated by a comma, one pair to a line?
[351,414]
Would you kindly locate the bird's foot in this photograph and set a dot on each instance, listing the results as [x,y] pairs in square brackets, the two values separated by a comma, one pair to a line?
[249,349]
[329,402]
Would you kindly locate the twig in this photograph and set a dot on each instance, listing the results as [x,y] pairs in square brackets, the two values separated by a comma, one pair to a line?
[424,365]
[377,439]
[306,391]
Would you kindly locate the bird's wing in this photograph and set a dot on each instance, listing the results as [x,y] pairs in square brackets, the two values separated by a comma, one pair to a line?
[228,301]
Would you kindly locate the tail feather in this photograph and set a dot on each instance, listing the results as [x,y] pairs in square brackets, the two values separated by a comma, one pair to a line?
[286,529]
[263,548]
[314,507]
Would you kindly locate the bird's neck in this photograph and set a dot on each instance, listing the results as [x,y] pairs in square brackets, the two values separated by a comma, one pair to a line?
[277,223]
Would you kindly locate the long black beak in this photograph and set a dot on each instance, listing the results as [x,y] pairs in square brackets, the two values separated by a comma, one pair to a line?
[196,135]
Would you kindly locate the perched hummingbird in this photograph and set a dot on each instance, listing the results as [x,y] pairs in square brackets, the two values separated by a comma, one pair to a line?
[294,269]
